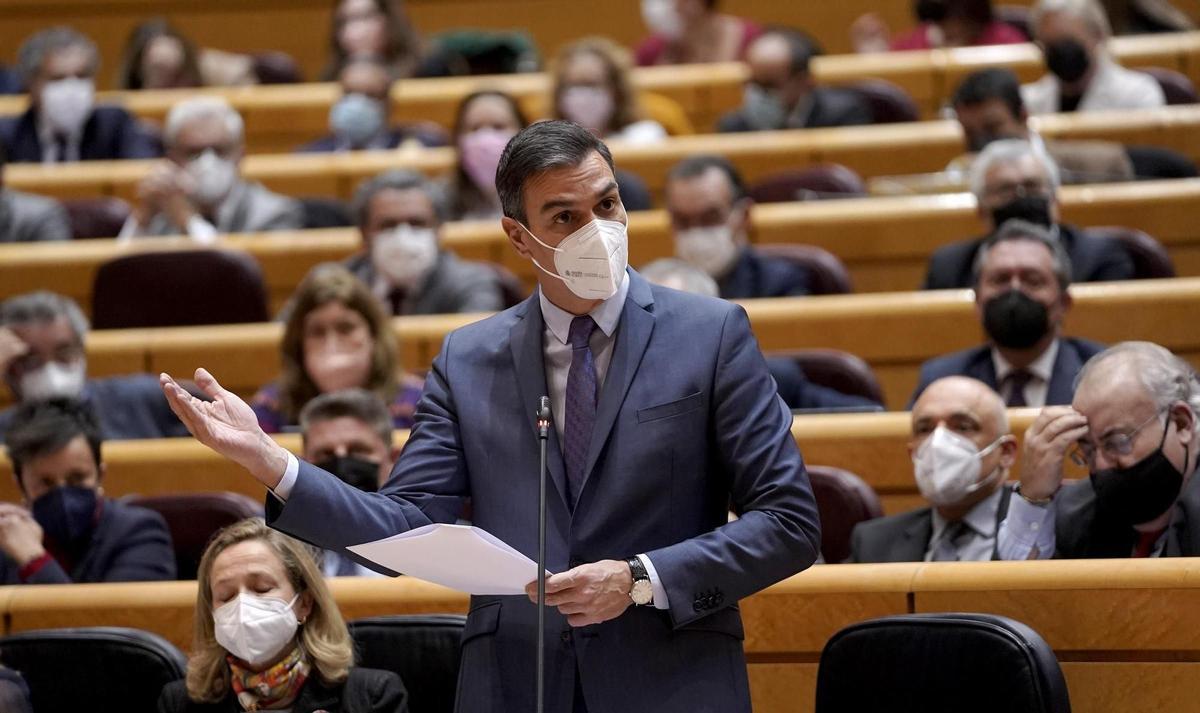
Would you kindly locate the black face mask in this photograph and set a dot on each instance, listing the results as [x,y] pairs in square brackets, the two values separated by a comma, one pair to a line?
[1067,59]
[1034,209]
[67,516]
[1141,492]
[362,474]
[1015,320]
[931,10]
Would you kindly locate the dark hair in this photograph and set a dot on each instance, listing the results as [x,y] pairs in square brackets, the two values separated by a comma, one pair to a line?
[978,12]
[1017,229]
[129,73]
[358,404]
[403,51]
[32,55]
[536,149]
[396,179]
[695,166]
[464,194]
[44,427]
[801,47]
[617,65]
[988,84]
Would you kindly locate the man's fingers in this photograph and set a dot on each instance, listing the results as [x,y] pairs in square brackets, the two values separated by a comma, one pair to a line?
[560,582]
[181,403]
[208,383]
[1067,423]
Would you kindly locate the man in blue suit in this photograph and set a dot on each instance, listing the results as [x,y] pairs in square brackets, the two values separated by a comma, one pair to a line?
[1022,276]
[666,414]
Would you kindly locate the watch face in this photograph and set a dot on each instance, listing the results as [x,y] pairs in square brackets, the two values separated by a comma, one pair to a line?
[642,592]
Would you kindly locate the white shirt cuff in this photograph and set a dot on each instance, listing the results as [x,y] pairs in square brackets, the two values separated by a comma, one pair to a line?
[201,230]
[1026,528]
[288,481]
[660,592]
[129,230]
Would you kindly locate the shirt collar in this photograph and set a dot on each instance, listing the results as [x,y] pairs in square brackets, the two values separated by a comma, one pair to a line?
[981,518]
[606,314]
[1042,367]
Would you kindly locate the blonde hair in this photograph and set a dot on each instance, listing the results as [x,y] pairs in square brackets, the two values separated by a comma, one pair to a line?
[323,638]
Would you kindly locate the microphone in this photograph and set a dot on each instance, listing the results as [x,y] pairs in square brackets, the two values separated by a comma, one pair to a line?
[543,434]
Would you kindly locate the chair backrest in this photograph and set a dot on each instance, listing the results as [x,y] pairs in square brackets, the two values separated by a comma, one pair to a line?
[1176,86]
[96,669]
[423,650]
[511,287]
[96,217]
[1150,259]
[837,370]
[187,287]
[1157,162]
[827,274]
[843,501]
[890,104]
[274,67]
[918,663]
[805,184]
[193,518]
[325,213]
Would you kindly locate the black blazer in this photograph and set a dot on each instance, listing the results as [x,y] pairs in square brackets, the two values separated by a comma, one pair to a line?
[905,537]
[831,107]
[366,690]
[395,136]
[757,275]
[799,393]
[110,133]
[1093,259]
[976,363]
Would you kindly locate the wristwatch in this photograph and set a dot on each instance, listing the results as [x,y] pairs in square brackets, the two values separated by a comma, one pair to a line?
[642,592]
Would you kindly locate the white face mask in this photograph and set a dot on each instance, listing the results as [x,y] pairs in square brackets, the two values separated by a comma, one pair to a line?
[213,176]
[592,260]
[947,467]
[67,103]
[254,628]
[54,381]
[404,255]
[662,17]
[712,249]
[590,107]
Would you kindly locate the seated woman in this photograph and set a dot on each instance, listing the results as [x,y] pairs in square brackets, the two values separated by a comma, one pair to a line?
[336,336]
[592,89]
[157,56]
[372,28]
[940,23]
[483,124]
[269,636]
[691,31]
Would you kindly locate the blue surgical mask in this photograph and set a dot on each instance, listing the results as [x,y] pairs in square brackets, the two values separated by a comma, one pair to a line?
[67,515]
[357,118]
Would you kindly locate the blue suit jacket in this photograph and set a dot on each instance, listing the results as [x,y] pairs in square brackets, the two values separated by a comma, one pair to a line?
[110,134]
[679,434]
[128,407]
[757,275]
[976,363]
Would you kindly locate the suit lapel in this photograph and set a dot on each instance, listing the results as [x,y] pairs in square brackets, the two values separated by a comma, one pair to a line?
[982,367]
[916,538]
[1060,390]
[529,362]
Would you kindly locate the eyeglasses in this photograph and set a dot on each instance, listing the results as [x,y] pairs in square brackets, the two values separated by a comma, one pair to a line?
[1010,191]
[1113,447]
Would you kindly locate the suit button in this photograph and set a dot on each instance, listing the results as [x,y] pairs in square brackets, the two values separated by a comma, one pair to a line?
[718,599]
[566,636]
[697,605]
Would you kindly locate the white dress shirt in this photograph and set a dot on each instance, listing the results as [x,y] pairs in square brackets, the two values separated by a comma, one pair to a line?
[1039,371]
[978,542]
[49,143]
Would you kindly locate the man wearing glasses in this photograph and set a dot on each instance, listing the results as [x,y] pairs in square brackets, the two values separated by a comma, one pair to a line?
[1133,425]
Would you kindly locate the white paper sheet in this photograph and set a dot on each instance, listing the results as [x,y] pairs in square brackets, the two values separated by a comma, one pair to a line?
[461,557]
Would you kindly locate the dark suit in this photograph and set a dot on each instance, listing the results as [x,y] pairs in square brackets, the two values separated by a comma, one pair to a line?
[905,537]
[127,406]
[1081,532]
[454,286]
[757,275]
[799,393]
[680,434]
[129,544]
[976,363]
[109,134]
[830,107]
[365,690]
[391,139]
[1093,259]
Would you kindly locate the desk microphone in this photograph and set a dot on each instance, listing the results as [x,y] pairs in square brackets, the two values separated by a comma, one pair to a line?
[543,433]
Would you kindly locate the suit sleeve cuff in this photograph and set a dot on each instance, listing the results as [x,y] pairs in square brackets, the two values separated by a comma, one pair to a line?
[660,592]
[201,230]
[288,481]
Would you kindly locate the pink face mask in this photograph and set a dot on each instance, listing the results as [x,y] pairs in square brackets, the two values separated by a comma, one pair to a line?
[479,153]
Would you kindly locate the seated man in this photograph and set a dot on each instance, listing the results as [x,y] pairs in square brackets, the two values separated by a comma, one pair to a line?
[793,385]
[359,120]
[1021,298]
[782,93]
[961,450]
[198,191]
[399,214]
[349,433]
[62,123]
[1133,426]
[67,531]
[710,218]
[989,107]
[1013,179]
[42,358]
[26,218]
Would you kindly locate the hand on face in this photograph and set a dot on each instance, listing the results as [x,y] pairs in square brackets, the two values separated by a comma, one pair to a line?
[165,190]
[1047,441]
[588,594]
[20,534]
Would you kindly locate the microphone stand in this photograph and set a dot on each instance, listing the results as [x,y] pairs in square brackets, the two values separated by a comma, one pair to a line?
[543,432]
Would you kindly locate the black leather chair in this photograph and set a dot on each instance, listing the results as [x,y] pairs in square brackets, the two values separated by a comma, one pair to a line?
[96,669]
[96,217]
[275,67]
[423,650]
[927,663]
[325,213]
[805,184]
[843,501]
[1151,163]
[828,276]
[890,104]
[1176,86]
[1150,259]
[837,370]
[193,518]
[187,287]
[511,287]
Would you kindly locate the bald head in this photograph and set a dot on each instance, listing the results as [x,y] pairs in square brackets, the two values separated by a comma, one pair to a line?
[966,406]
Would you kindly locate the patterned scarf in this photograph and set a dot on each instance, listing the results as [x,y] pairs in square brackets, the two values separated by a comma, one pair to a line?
[276,687]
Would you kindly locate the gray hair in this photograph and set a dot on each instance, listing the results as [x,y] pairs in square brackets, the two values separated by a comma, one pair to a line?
[1090,11]
[1166,377]
[34,51]
[1006,151]
[203,107]
[400,179]
[538,148]
[691,279]
[43,307]
[1017,229]
[358,404]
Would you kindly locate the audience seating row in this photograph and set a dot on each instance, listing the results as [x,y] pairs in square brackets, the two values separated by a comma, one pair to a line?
[1143,655]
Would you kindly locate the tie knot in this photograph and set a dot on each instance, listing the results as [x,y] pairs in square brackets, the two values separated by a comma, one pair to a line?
[581,332]
[1019,378]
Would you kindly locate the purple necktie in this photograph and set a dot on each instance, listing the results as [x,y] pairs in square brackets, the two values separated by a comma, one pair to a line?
[580,405]
[1017,381]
